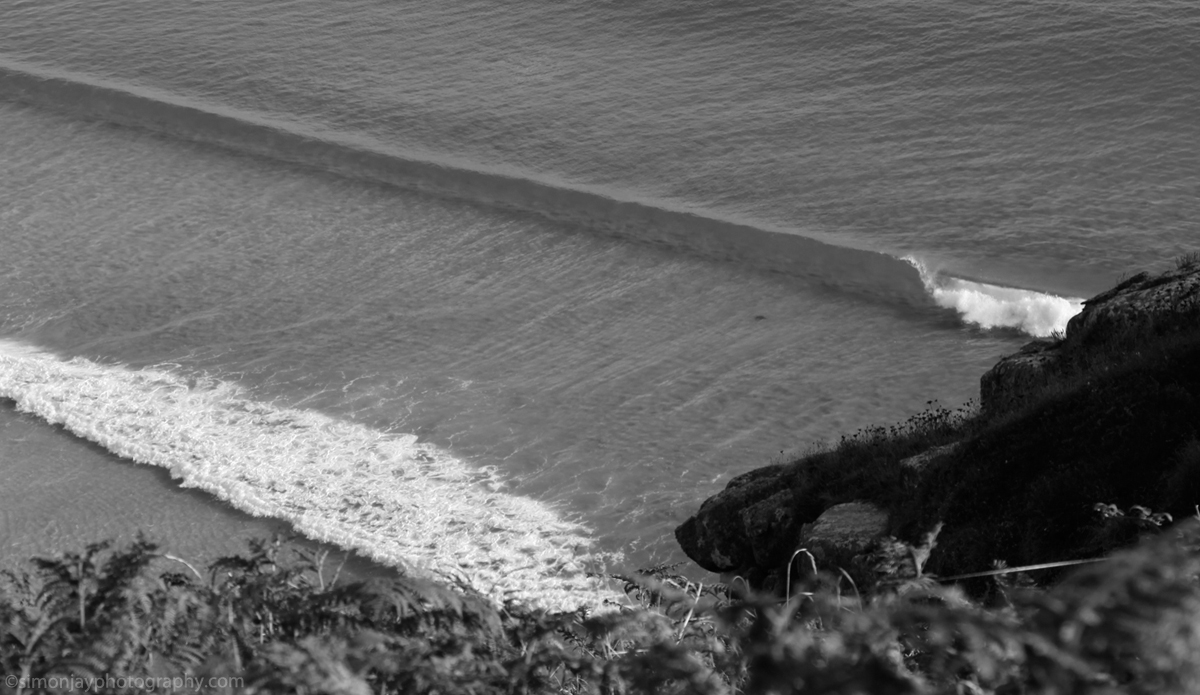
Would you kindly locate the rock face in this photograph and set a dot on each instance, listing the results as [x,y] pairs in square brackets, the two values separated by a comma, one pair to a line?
[1018,377]
[853,526]
[1158,303]
[752,522]
[1127,435]
[758,521]
[1140,307]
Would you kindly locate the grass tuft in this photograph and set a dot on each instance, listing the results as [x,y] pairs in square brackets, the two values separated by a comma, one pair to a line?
[1188,260]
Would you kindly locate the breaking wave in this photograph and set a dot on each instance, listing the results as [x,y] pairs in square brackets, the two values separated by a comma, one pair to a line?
[617,213]
[390,497]
[863,271]
[992,306]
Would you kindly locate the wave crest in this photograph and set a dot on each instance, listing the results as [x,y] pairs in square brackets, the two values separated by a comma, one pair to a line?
[617,213]
[706,234]
[991,306]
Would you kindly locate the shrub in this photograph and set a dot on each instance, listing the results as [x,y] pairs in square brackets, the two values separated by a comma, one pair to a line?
[1131,624]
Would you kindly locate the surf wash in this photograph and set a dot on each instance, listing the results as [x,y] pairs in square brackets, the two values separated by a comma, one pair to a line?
[390,497]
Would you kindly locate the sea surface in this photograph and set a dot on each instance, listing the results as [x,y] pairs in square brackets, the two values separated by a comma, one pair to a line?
[503,291]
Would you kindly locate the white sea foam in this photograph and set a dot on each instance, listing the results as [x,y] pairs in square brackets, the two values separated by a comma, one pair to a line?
[397,500]
[991,306]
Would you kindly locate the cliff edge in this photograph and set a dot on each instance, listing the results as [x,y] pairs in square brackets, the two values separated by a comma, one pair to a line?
[1080,445]
[1143,308]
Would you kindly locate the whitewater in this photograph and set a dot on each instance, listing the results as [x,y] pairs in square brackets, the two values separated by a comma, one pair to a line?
[399,502]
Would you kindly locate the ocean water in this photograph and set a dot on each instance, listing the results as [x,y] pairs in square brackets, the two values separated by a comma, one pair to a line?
[503,292]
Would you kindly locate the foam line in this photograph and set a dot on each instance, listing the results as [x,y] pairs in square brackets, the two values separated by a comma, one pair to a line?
[396,500]
[991,306]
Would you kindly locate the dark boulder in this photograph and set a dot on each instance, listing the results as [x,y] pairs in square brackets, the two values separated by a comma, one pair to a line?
[852,527]
[754,521]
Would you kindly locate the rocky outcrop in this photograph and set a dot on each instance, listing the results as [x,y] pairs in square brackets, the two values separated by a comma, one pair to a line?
[848,527]
[756,524]
[1142,304]
[1018,488]
[1140,308]
[754,521]
[1019,377]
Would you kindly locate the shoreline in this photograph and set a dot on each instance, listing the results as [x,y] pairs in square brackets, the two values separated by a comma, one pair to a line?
[388,497]
[45,469]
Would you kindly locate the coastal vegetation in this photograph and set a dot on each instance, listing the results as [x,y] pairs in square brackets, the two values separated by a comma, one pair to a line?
[278,621]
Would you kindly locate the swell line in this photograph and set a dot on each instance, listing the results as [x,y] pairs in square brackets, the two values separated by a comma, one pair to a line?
[859,270]
[905,280]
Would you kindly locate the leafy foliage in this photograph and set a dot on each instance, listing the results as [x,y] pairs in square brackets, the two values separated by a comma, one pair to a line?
[275,619]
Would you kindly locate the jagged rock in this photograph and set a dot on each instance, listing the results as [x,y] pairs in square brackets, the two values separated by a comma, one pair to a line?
[1141,305]
[845,528]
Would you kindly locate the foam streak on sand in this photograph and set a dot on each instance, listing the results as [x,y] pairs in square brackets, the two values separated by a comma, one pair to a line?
[991,306]
[390,497]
